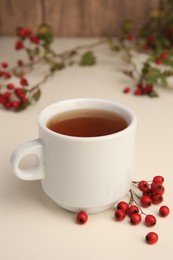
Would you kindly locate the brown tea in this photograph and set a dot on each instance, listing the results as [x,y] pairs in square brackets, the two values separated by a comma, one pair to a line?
[87,123]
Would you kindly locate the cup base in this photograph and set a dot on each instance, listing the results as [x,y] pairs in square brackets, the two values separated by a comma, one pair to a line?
[87,210]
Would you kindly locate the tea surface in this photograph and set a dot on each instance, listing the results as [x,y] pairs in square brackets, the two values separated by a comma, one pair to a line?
[87,123]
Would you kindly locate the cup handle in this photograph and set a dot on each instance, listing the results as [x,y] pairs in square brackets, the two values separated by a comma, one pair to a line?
[36,172]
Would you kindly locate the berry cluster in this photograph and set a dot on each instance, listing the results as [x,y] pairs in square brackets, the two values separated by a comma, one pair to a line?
[141,89]
[151,193]
[26,35]
[12,96]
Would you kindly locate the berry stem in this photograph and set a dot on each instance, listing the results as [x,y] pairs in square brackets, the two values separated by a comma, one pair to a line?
[132,193]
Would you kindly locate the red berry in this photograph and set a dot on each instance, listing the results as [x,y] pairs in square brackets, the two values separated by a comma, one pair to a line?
[28,31]
[20,93]
[146,47]
[21,32]
[120,214]
[158,179]
[135,218]
[150,39]
[7,75]
[24,99]
[148,193]
[139,86]
[164,211]
[82,217]
[138,92]
[7,94]
[145,201]
[4,64]
[150,220]
[126,90]
[1,73]
[130,37]
[34,39]
[157,199]
[148,89]
[31,58]
[19,45]
[15,103]
[143,186]
[10,86]
[20,63]
[24,82]
[164,56]
[123,205]
[132,210]
[158,61]
[157,188]
[152,238]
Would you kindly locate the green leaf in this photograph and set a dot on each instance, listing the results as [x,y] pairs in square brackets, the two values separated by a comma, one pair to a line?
[127,26]
[129,73]
[29,52]
[153,94]
[36,95]
[163,80]
[45,34]
[168,62]
[88,59]
[22,106]
[152,76]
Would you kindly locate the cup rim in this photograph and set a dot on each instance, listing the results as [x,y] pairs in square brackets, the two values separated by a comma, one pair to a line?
[44,116]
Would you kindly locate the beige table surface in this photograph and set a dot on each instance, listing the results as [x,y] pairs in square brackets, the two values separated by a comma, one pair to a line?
[32,226]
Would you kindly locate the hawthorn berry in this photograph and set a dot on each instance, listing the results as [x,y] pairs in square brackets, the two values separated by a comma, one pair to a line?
[150,220]
[138,92]
[164,211]
[148,89]
[10,86]
[143,186]
[133,209]
[135,218]
[158,61]
[34,39]
[158,179]
[157,188]
[152,238]
[4,64]
[148,193]
[15,104]
[130,37]
[19,45]
[22,32]
[28,31]
[164,56]
[126,90]
[146,47]
[82,217]
[24,82]
[150,39]
[20,63]
[7,94]
[139,86]
[123,205]
[145,201]
[157,199]
[120,214]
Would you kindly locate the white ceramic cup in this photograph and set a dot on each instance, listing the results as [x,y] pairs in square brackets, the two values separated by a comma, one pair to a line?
[81,173]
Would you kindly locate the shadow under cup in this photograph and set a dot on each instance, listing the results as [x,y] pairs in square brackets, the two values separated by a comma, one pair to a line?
[81,173]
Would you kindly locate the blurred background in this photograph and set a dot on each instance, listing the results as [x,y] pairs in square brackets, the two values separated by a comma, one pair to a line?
[74,17]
